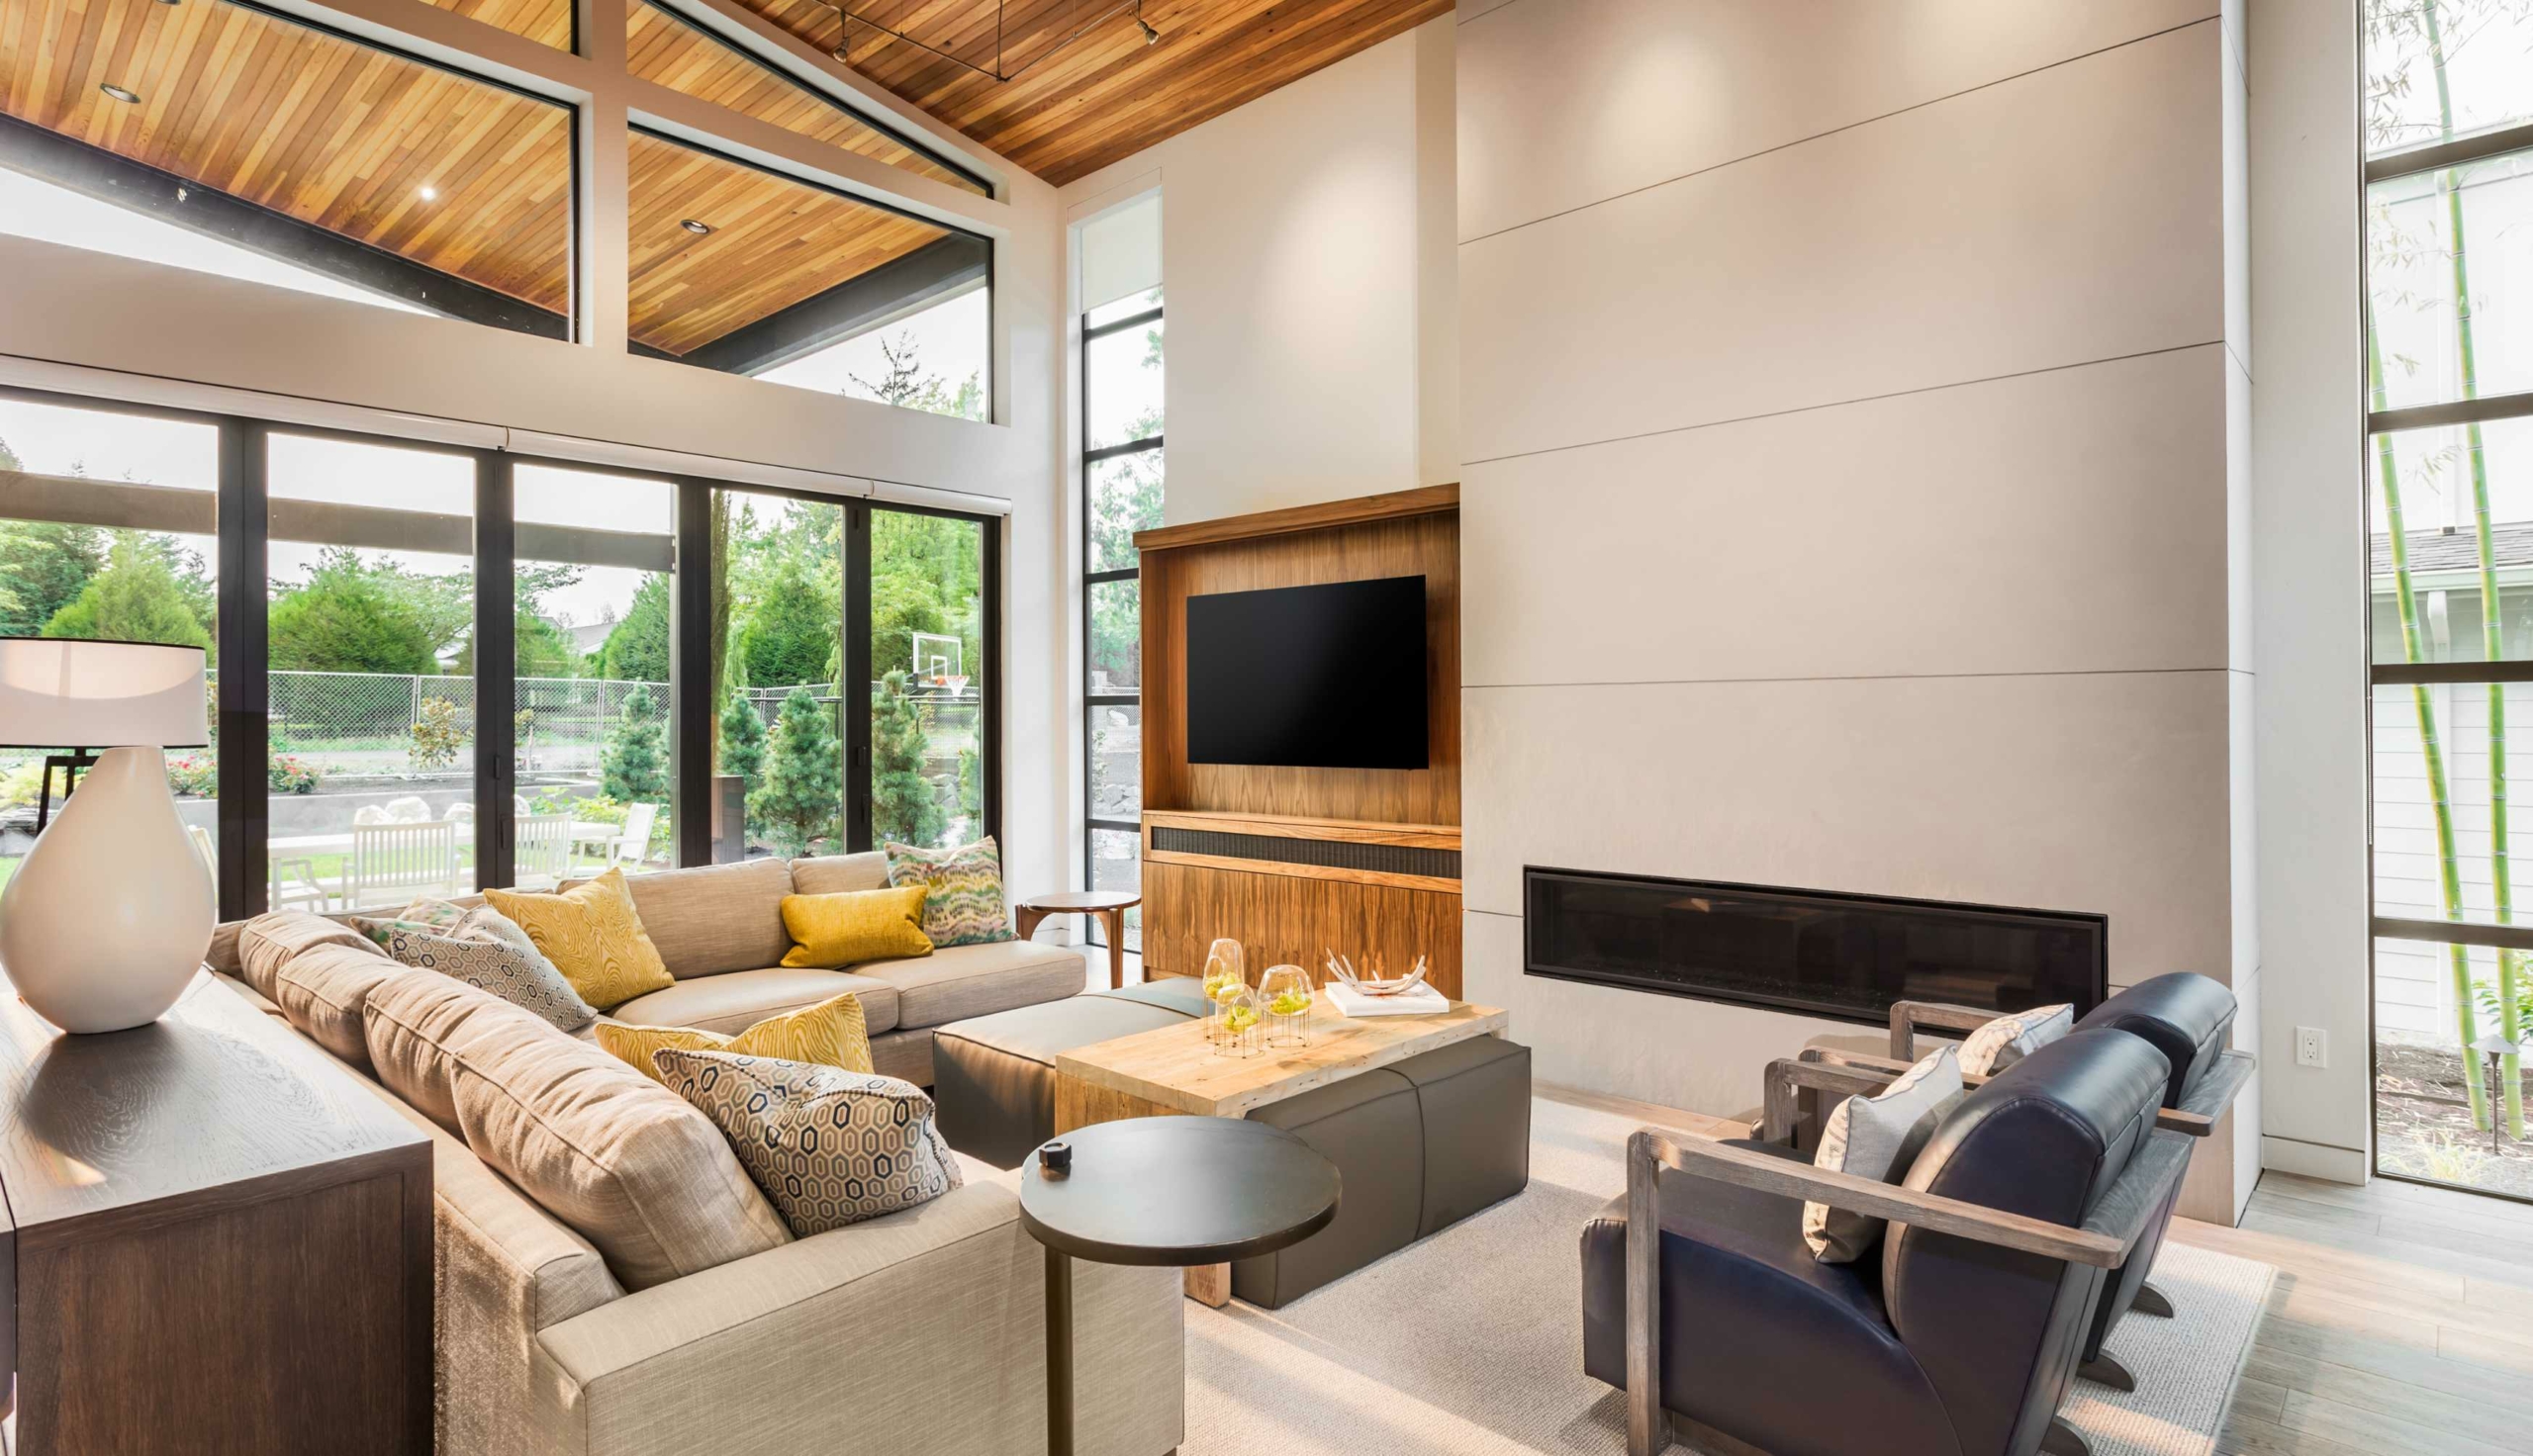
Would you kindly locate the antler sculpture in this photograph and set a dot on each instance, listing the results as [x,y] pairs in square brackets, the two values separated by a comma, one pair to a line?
[1372,984]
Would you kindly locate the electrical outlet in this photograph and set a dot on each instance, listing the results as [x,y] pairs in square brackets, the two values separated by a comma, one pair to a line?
[2312,1047]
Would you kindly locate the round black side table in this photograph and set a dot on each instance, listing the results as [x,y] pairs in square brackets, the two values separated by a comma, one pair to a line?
[1171,1191]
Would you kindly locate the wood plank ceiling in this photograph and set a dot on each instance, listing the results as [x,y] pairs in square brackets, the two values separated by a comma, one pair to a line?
[1108,95]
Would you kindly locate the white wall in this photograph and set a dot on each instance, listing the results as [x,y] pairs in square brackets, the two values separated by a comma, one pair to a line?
[2309,483]
[1307,258]
[1855,405]
[168,331]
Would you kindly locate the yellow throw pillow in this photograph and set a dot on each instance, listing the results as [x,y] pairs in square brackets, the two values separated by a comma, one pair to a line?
[633,1045]
[854,925]
[594,936]
[830,1034]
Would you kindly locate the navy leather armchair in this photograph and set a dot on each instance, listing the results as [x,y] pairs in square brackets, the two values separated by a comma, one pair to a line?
[1958,1337]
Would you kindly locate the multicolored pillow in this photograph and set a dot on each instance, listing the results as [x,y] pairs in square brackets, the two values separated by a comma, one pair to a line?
[830,1034]
[522,977]
[962,890]
[828,1146]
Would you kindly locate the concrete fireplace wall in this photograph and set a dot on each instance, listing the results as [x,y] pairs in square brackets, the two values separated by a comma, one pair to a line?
[1854,418]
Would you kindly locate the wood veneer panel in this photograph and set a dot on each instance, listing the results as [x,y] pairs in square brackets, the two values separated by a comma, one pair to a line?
[1396,505]
[1282,919]
[1391,546]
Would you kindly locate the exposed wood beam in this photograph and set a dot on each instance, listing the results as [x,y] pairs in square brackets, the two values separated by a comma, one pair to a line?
[93,171]
[886,293]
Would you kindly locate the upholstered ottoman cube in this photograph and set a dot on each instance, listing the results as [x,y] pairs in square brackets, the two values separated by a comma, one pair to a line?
[1419,1145]
[994,1077]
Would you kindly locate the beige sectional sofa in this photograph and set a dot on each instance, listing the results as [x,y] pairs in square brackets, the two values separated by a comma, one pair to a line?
[914,1333]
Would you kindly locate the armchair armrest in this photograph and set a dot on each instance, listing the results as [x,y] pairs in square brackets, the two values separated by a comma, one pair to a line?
[1907,1016]
[1788,1077]
[2109,1231]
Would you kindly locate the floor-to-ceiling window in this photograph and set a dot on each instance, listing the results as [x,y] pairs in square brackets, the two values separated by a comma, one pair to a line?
[1122,475]
[2448,196]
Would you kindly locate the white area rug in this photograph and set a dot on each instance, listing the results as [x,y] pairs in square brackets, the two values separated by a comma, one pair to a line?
[1473,1341]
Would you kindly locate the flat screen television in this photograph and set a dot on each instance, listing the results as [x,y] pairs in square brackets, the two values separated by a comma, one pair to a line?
[1329,677]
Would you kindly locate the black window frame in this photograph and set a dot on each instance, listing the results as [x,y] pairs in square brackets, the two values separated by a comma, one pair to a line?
[1092,702]
[242,599]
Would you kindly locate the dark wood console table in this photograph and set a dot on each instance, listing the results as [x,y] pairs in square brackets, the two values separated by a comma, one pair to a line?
[218,1241]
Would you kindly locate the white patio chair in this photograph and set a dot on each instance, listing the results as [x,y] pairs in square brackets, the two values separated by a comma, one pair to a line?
[402,858]
[543,854]
[204,847]
[630,848]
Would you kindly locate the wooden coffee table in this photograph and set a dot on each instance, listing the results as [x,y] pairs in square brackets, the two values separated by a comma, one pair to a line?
[1169,1070]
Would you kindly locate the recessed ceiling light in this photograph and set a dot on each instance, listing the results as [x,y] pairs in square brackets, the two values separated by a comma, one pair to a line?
[692,225]
[118,93]
[427,193]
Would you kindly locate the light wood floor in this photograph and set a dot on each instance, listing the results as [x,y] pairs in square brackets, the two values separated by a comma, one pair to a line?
[2402,1321]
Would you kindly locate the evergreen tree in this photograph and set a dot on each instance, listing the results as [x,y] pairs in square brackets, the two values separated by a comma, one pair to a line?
[790,631]
[804,778]
[46,565]
[634,765]
[638,649]
[742,738]
[903,805]
[348,618]
[136,598]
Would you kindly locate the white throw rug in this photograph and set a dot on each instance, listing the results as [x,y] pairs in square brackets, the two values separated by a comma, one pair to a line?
[1473,1341]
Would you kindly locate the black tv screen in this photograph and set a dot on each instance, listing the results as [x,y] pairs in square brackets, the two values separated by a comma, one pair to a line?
[1326,676]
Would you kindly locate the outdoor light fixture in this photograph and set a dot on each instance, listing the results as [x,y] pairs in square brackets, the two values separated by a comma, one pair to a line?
[1003,68]
[127,98]
[692,225]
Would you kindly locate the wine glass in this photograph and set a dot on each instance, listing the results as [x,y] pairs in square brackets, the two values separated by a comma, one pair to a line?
[1287,993]
[1223,973]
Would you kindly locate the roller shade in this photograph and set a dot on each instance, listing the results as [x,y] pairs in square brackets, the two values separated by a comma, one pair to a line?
[1121,254]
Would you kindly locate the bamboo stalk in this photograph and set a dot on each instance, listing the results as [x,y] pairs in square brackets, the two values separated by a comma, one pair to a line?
[2448,872]
[2492,629]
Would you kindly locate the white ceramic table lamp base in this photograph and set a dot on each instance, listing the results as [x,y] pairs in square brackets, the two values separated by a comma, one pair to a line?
[107,920]
[105,924]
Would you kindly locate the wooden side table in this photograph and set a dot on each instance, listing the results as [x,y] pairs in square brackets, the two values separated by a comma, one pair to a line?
[1109,905]
[223,1240]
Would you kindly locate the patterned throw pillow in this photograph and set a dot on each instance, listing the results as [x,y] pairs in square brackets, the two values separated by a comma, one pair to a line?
[594,936]
[830,1148]
[2010,1038]
[522,977]
[1878,1137]
[830,1034]
[962,890]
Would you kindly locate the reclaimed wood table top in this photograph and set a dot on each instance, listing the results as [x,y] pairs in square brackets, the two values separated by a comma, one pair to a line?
[1172,1067]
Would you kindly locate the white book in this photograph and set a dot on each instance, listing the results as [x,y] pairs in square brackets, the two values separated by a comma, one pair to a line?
[1422,1001]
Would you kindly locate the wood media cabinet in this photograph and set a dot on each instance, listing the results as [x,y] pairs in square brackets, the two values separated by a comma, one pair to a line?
[1292,861]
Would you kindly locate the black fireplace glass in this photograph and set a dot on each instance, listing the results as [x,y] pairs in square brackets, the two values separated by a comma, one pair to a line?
[1817,953]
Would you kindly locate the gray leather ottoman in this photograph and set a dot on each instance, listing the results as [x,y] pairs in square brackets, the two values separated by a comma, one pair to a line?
[1419,1145]
[994,1077]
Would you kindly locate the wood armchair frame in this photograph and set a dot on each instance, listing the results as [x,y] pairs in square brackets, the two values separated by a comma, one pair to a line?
[2118,1222]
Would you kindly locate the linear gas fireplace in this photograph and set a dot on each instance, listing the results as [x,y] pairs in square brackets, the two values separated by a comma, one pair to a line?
[1817,953]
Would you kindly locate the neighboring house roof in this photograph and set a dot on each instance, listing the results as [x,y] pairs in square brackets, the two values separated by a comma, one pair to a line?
[591,636]
[2455,550]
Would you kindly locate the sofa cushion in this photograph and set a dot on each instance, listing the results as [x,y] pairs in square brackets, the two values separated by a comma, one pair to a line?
[716,918]
[827,874]
[594,934]
[960,981]
[643,1176]
[322,990]
[838,929]
[267,941]
[737,1000]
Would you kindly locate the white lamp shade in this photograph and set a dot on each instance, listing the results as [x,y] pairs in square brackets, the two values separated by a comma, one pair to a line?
[63,694]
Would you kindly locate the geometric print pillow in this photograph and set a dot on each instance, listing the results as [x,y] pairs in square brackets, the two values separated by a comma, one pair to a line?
[828,1146]
[962,890]
[2007,1040]
[482,960]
